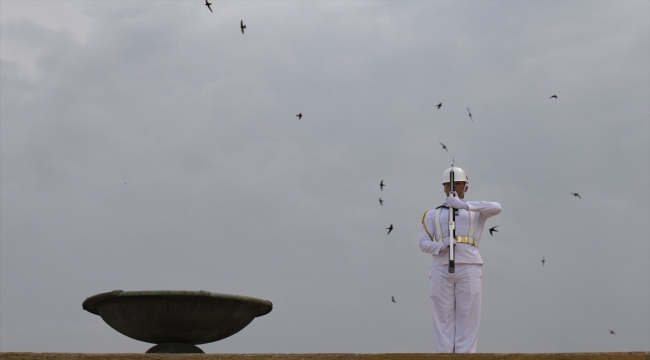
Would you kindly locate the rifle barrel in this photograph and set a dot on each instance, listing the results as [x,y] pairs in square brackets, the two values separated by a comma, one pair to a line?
[452,222]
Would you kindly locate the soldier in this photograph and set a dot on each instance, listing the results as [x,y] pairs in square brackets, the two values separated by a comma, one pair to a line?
[456,297]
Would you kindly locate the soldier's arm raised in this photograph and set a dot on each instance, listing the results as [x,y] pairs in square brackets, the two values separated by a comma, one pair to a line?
[486,208]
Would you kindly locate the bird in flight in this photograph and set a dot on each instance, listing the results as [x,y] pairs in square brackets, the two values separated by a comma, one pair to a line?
[577,195]
[470,115]
[381,202]
[439,105]
[242,26]
[543,261]
[493,229]
[553,97]
[299,116]
[444,147]
[612,332]
[208,5]
[390,228]
[392,298]
[381,185]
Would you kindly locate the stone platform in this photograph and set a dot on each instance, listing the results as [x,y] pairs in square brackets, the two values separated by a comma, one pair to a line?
[393,356]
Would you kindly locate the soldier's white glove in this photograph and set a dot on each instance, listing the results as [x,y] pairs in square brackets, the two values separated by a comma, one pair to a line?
[447,242]
[456,203]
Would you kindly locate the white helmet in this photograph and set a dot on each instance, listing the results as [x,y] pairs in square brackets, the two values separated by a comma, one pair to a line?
[459,175]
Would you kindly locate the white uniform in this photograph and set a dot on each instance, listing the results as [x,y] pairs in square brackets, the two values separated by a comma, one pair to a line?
[456,298]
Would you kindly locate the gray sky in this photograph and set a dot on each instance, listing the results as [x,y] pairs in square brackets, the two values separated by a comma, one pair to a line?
[150,145]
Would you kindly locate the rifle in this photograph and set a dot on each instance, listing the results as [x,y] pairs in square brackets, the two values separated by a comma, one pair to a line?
[452,221]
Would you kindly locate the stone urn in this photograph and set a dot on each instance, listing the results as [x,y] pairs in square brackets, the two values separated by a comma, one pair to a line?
[176,320]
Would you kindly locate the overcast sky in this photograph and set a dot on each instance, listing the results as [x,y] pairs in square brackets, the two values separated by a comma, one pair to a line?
[149,145]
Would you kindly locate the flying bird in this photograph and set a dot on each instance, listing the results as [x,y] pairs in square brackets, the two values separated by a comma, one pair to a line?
[577,195]
[299,116]
[493,229]
[208,5]
[392,298]
[439,105]
[612,332]
[390,228]
[444,147]
[381,185]
[553,97]
[381,202]
[543,261]
[242,26]
[470,115]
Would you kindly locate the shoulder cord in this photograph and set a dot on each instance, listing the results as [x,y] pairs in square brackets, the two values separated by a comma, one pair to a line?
[437,223]
[425,226]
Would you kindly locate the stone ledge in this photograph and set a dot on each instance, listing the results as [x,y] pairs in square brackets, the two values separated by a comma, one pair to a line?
[329,356]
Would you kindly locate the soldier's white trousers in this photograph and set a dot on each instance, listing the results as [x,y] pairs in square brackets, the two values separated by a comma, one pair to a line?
[456,306]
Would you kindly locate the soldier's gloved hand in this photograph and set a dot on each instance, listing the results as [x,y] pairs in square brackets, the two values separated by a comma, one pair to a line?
[447,242]
[456,203]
